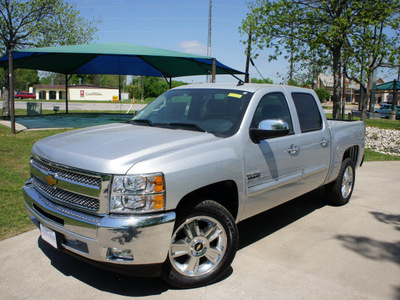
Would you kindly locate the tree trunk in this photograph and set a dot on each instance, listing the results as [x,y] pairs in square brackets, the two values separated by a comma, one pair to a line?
[337,91]
[367,97]
[363,100]
[6,96]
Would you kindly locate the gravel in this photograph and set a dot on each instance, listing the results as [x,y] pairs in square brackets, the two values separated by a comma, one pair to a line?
[383,140]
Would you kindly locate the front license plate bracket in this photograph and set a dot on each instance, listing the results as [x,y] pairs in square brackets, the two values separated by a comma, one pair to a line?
[49,236]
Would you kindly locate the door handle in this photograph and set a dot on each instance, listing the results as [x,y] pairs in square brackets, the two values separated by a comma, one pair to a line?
[293,149]
[324,142]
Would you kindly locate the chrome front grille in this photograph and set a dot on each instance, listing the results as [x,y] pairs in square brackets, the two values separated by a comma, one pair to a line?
[67,175]
[67,186]
[65,196]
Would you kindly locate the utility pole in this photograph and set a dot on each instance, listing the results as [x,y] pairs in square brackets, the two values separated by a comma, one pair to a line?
[343,93]
[209,36]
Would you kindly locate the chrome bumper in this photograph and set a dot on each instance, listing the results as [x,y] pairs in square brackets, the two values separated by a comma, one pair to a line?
[92,237]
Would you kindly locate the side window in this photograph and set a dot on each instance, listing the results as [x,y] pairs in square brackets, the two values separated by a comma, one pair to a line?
[272,106]
[307,111]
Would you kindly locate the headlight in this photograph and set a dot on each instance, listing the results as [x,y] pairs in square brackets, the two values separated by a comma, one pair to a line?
[142,193]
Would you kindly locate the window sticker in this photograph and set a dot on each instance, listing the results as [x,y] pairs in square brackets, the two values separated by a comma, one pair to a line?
[235,95]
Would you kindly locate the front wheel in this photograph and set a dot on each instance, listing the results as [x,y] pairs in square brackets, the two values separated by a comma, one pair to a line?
[202,246]
[339,191]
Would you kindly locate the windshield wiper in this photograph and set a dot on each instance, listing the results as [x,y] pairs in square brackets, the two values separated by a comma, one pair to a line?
[190,126]
[144,122]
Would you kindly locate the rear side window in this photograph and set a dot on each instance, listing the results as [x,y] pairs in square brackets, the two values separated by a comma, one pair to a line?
[307,112]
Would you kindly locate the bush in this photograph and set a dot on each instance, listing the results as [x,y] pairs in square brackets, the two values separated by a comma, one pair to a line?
[323,95]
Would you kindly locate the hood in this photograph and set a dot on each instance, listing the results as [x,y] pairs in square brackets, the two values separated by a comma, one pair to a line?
[115,148]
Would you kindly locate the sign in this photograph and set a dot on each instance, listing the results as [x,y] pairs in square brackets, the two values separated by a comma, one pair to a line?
[82,93]
[33,108]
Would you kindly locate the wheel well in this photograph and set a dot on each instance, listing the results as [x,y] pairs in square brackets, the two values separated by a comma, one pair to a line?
[351,153]
[224,192]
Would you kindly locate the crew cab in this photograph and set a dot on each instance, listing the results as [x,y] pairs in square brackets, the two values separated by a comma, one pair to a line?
[163,193]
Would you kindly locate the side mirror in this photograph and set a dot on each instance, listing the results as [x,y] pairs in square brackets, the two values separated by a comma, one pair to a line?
[269,129]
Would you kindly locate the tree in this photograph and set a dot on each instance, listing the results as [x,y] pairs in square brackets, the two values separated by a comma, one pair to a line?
[323,95]
[266,80]
[152,87]
[25,78]
[308,27]
[376,40]
[39,23]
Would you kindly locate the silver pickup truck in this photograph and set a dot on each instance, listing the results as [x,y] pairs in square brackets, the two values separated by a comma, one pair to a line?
[162,194]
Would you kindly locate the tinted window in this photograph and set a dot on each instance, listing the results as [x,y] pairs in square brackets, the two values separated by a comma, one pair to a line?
[272,106]
[307,111]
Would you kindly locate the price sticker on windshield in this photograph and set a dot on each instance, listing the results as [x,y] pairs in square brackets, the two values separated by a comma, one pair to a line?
[234,95]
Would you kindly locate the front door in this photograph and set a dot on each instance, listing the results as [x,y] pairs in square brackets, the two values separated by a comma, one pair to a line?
[273,168]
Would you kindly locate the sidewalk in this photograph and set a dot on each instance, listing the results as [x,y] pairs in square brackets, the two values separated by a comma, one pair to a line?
[300,250]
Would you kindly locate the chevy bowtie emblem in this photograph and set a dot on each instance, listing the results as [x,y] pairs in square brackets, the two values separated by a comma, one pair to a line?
[50,180]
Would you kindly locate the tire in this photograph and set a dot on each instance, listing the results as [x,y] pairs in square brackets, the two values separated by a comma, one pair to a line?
[202,247]
[340,191]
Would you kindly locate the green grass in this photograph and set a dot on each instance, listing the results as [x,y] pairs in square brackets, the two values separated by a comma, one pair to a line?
[14,171]
[376,156]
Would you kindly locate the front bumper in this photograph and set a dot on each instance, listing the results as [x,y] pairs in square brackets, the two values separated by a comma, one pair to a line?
[92,236]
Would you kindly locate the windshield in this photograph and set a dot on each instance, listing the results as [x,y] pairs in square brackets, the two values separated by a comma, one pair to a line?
[217,111]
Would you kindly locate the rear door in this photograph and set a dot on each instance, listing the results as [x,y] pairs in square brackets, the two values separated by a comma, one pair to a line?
[314,141]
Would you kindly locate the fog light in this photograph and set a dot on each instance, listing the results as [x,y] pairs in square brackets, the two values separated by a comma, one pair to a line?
[115,254]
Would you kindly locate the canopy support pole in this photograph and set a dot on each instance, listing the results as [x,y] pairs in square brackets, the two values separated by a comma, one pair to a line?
[66,91]
[168,81]
[11,89]
[119,88]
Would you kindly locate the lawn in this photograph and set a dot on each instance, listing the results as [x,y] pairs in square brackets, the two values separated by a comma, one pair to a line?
[14,171]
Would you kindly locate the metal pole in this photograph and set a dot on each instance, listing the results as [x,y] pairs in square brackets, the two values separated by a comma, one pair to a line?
[119,87]
[209,36]
[11,89]
[246,77]
[343,94]
[66,93]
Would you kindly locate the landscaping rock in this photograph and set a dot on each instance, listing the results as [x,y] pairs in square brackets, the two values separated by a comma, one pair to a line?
[383,140]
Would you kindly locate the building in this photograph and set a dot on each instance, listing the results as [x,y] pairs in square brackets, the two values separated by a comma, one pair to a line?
[77,92]
[351,88]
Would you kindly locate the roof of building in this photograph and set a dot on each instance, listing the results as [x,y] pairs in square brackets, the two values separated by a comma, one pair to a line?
[76,86]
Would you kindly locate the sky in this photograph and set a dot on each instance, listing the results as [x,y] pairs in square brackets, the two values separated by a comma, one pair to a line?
[180,25]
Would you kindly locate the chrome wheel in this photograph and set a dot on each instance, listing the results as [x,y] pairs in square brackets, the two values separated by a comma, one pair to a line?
[198,246]
[347,182]
[340,190]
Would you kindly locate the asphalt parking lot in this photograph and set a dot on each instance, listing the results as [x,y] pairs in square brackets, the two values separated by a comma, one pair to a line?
[303,249]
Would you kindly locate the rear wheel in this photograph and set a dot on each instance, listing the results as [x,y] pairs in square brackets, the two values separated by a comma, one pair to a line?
[340,191]
[202,246]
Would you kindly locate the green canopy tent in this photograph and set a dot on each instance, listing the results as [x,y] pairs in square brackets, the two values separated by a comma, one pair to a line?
[112,58]
[391,86]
